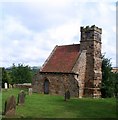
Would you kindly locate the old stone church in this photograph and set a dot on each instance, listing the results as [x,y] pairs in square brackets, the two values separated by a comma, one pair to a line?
[75,67]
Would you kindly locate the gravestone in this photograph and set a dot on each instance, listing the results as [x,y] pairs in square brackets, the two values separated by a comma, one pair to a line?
[10,106]
[21,98]
[6,86]
[10,86]
[30,91]
[67,95]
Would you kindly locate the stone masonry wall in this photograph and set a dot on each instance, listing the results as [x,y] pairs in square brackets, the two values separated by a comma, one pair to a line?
[91,41]
[97,69]
[58,83]
[80,68]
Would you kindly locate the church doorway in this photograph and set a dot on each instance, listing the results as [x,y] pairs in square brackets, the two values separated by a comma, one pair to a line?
[46,86]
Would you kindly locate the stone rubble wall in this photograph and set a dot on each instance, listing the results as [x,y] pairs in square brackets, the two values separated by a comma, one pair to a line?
[80,68]
[58,83]
[91,41]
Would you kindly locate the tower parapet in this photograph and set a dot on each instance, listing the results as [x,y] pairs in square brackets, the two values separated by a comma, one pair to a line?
[91,33]
[92,28]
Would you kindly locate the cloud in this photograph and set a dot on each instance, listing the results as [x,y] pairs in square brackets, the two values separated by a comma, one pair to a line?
[30,31]
[65,33]
[21,45]
[39,16]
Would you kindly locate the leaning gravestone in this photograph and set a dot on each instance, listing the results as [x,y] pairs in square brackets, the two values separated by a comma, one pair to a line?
[67,95]
[21,97]
[10,86]
[30,91]
[10,106]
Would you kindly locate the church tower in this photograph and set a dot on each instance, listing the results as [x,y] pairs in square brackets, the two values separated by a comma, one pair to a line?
[91,42]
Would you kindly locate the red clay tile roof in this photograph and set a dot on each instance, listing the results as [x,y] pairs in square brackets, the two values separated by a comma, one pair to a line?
[62,59]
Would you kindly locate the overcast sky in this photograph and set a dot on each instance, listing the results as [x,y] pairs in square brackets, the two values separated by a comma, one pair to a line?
[30,30]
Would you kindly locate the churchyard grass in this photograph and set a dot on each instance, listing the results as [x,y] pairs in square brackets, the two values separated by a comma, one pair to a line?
[50,106]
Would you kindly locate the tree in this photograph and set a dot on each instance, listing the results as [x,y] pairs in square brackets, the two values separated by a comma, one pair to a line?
[21,74]
[4,77]
[116,85]
[109,80]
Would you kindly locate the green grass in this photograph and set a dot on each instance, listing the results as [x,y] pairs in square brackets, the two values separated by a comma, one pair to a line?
[48,106]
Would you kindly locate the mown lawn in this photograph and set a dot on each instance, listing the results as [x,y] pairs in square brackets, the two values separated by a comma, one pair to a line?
[48,106]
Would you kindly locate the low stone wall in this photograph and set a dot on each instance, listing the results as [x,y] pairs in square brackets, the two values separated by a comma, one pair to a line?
[23,85]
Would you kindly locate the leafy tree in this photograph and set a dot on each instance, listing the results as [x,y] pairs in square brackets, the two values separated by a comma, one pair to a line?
[18,74]
[116,85]
[4,77]
[108,88]
[21,74]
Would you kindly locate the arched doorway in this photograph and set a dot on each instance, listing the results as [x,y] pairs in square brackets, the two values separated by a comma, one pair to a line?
[46,86]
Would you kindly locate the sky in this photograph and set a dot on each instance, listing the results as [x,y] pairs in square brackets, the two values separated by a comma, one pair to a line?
[30,29]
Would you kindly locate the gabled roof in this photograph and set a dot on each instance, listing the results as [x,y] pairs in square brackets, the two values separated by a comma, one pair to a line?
[62,59]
